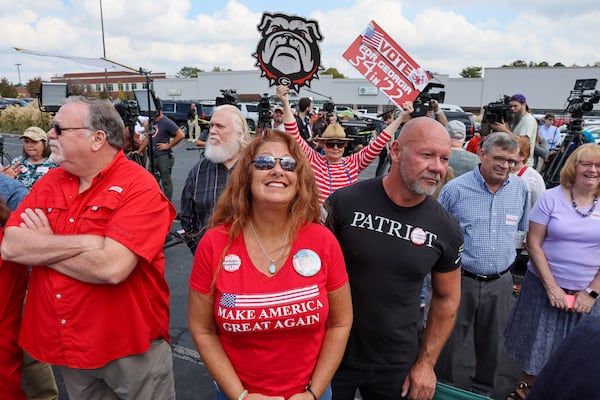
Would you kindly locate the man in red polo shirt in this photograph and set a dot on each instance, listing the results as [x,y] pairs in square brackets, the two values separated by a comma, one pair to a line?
[93,230]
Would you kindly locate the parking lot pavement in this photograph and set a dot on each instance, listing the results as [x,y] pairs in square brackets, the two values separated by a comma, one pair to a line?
[192,380]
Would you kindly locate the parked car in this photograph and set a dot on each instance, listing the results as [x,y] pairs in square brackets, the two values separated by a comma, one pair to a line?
[465,118]
[177,110]
[250,112]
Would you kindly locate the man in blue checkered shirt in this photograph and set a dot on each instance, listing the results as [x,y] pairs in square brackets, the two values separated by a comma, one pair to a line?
[491,205]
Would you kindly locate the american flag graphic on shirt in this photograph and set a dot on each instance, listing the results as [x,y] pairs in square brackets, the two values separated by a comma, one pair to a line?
[232,300]
[371,36]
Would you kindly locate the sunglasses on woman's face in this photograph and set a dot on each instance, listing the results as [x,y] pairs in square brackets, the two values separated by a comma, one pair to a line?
[263,163]
[331,145]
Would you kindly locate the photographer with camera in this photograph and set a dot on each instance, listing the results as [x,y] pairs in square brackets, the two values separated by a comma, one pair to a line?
[302,118]
[436,112]
[522,123]
[136,141]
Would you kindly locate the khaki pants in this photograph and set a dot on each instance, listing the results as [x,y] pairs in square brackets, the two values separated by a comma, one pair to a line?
[145,376]
[38,379]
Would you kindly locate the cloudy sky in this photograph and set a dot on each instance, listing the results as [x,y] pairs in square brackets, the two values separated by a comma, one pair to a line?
[165,35]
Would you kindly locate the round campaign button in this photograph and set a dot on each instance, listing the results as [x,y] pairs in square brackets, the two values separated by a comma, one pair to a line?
[418,236]
[306,262]
[232,262]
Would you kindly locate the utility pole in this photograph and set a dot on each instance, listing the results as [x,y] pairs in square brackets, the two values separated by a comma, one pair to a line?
[104,52]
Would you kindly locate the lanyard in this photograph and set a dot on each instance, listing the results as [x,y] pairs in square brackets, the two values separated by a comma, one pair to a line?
[329,175]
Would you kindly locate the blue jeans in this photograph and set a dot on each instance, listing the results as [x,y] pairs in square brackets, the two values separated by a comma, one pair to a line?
[219,395]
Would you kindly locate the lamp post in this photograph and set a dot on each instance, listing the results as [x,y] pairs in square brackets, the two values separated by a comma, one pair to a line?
[19,72]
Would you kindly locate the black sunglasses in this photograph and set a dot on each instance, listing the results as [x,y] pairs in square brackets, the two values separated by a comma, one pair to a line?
[331,145]
[263,163]
[59,130]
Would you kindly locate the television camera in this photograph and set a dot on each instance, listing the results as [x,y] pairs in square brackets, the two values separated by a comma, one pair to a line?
[328,109]
[423,103]
[581,100]
[264,111]
[228,96]
[494,112]
[129,112]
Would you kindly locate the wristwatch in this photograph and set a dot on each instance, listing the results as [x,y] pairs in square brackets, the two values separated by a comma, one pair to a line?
[591,292]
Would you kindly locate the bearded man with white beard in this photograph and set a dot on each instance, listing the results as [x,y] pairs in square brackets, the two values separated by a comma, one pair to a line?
[227,138]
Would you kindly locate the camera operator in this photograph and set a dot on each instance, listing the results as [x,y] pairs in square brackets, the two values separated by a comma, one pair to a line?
[302,118]
[136,141]
[436,112]
[522,123]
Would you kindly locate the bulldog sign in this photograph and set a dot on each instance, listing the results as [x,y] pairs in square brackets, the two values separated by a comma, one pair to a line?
[386,65]
[288,51]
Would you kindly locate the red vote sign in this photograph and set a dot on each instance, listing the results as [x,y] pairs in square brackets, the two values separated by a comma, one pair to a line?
[386,65]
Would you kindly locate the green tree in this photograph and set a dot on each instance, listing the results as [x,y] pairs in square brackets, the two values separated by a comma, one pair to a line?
[189,72]
[7,89]
[517,63]
[33,86]
[471,72]
[333,71]
[220,69]
[558,64]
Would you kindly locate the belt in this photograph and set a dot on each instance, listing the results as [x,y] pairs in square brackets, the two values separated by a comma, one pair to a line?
[484,278]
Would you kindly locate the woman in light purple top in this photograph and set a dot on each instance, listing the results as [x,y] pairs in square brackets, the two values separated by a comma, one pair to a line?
[562,282]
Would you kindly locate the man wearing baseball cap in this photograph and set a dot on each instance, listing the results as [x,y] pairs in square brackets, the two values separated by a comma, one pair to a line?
[278,119]
[461,160]
[522,123]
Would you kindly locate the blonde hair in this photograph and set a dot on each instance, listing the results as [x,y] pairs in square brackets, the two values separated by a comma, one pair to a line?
[569,170]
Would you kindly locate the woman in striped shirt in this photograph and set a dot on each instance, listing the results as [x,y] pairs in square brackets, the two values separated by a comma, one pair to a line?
[332,170]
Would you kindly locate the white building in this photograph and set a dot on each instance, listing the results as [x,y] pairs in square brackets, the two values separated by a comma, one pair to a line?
[546,89]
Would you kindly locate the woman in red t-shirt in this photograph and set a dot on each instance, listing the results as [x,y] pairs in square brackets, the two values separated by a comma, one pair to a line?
[269,305]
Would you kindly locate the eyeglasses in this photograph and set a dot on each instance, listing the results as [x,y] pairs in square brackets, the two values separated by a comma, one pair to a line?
[502,160]
[60,130]
[331,145]
[589,164]
[264,163]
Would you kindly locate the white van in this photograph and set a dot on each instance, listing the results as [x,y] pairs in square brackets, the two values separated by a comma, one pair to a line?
[450,107]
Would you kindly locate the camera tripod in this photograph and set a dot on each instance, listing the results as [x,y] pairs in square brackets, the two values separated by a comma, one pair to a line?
[573,140]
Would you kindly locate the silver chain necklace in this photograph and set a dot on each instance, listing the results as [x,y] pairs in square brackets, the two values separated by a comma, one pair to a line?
[272,266]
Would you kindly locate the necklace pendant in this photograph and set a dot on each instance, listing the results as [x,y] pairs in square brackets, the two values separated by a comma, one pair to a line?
[272,268]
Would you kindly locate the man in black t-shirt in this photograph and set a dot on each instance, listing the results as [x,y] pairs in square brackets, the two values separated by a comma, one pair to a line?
[165,136]
[302,118]
[393,232]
